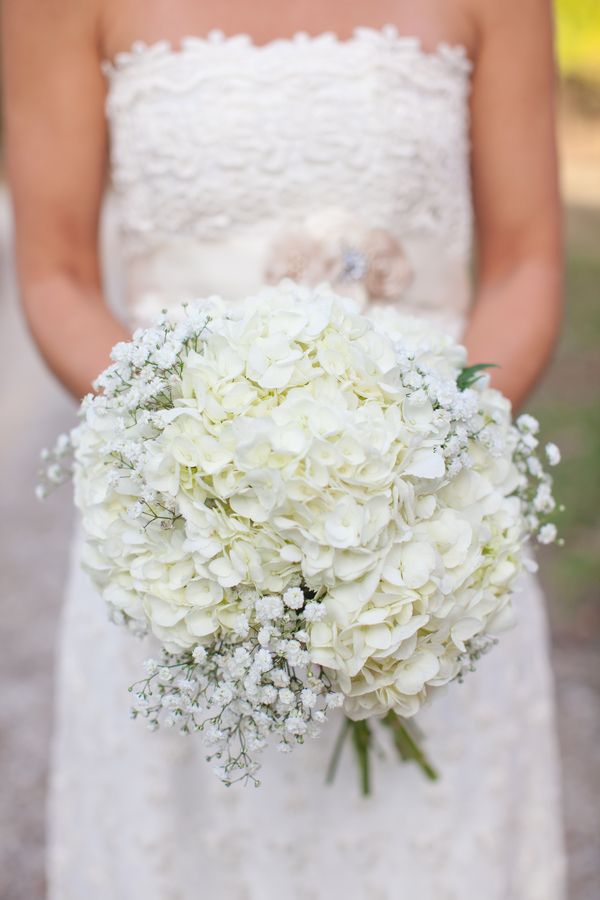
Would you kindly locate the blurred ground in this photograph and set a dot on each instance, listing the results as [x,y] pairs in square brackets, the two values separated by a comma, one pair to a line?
[34,544]
[566,403]
[33,547]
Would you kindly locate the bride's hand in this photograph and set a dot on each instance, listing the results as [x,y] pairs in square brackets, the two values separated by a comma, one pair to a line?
[56,147]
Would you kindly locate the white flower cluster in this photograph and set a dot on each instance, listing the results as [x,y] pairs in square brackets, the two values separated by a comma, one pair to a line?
[57,466]
[245,687]
[535,488]
[290,442]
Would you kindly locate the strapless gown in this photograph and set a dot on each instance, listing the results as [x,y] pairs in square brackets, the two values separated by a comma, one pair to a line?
[234,165]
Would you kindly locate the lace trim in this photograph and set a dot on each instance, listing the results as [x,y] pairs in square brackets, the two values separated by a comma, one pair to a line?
[455,55]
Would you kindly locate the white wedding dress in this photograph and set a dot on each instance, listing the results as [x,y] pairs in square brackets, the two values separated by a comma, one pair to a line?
[218,148]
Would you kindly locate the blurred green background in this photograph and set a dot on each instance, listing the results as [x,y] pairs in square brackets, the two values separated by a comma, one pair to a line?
[567,404]
[567,399]
[578,36]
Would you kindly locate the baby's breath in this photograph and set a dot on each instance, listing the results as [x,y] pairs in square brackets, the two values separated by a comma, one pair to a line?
[240,692]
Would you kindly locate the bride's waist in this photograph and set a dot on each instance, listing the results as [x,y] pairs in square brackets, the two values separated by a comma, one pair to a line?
[423,282]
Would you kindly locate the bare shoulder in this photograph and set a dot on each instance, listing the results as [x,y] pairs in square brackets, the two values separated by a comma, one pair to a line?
[513,124]
[63,12]
[53,99]
[508,20]
[44,42]
[42,22]
[488,11]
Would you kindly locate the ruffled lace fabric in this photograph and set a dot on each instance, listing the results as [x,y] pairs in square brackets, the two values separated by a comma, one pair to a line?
[220,138]
[219,147]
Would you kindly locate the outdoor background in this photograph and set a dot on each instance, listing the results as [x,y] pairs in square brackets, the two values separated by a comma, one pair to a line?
[33,538]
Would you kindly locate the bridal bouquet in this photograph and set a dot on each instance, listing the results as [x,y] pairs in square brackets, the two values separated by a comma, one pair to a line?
[308,508]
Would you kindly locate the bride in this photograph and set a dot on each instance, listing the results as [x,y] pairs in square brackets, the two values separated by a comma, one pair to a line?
[356,141]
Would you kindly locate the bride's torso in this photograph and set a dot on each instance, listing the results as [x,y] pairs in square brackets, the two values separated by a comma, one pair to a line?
[362,147]
[234,164]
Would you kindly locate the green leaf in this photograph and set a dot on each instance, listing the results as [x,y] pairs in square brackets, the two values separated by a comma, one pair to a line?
[470,374]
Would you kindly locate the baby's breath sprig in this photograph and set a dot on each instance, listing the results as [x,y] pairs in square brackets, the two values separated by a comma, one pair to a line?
[535,489]
[243,688]
[57,466]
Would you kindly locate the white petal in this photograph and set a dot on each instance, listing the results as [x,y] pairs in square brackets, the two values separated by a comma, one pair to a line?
[426,463]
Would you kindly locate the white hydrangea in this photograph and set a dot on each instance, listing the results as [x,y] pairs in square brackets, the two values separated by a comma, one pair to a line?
[316,484]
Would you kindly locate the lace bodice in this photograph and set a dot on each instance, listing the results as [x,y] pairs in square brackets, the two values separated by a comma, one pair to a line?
[231,160]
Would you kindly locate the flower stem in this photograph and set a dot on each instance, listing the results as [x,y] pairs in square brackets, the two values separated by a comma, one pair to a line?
[407,746]
[337,750]
[361,739]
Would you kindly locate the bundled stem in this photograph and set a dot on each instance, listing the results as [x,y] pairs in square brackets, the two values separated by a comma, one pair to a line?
[407,745]
[337,750]
[361,740]
[406,742]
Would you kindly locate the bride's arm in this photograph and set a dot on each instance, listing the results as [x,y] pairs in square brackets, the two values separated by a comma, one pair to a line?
[517,210]
[56,146]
